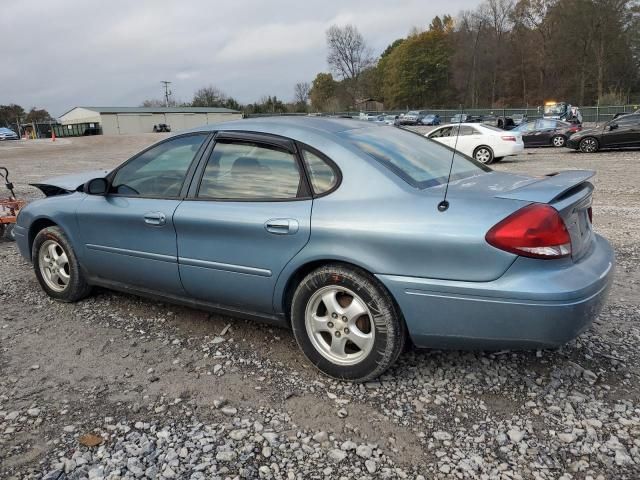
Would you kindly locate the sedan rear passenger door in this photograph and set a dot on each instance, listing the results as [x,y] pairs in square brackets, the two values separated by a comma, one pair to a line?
[246,216]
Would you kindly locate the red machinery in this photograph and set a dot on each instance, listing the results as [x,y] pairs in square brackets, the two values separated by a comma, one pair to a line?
[9,207]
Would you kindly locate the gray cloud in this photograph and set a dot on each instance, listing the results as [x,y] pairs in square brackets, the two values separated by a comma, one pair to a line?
[65,53]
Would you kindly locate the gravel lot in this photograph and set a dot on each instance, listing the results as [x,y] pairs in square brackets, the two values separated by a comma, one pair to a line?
[120,387]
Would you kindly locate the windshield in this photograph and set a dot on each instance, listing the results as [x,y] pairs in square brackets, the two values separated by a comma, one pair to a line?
[554,109]
[419,161]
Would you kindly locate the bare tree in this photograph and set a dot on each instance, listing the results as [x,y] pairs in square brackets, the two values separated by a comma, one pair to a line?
[301,92]
[497,14]
[209,96]
[157,102]
[348,55]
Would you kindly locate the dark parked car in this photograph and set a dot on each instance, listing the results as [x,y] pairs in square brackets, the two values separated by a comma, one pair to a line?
[622,132]
[547,132]
[161,127]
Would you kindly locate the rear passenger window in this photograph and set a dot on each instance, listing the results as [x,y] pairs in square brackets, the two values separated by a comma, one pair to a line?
[247,171]
[323,177]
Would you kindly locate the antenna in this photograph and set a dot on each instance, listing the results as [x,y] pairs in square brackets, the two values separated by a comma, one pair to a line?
[443,206]
[167,92]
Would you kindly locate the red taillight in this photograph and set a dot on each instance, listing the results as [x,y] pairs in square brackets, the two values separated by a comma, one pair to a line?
[508,138]
[575,128]
[535,231]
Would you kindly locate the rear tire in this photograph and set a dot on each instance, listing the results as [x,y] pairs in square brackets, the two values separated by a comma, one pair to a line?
[346,323]
[57,268]
[589,145]
[483,154]
[558,141]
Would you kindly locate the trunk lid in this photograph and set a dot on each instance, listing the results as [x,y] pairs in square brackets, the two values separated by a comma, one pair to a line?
[569,192]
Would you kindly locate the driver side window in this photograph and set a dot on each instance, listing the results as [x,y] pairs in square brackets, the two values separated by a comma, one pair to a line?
[160,171]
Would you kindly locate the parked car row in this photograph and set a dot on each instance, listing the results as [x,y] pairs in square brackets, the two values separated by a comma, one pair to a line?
[418,117]
[488,144]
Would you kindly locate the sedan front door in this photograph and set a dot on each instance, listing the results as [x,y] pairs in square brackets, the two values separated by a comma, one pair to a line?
[128,236]
[529,132]
[243,221]
[622,132]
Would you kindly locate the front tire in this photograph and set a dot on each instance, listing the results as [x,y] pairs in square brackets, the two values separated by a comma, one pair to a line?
[589,145]
[483,154]
[558,141]
[56,266]
[346,323]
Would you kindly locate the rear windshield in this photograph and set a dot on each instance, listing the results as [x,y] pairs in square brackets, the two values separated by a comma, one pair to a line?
[491,127]
[419,161]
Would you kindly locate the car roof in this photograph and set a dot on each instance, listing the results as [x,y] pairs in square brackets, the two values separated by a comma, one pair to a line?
[306,123]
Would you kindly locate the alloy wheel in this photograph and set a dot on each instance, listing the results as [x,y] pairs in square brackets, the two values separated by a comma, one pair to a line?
[558,141]
[589,145]
[54,266]
[339,325]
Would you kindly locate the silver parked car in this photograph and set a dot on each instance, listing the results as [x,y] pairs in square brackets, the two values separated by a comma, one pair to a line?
[336,229]
[7,134]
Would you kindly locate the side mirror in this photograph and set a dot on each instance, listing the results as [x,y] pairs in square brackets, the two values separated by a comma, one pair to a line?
[612,126]
[96,186]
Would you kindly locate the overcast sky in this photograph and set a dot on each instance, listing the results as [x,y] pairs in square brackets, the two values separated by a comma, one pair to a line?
[65,53]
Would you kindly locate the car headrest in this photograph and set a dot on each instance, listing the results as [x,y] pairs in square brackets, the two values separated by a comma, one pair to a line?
[245,164]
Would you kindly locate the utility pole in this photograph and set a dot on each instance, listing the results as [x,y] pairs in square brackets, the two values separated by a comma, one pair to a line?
[167,92]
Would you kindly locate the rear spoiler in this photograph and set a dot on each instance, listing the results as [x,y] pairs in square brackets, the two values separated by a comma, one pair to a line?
[548,188]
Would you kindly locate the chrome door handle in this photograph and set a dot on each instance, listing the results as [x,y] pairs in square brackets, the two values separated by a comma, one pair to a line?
[282,226]
[155,218]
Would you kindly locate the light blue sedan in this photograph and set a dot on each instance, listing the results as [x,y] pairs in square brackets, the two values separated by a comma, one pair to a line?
[337,229]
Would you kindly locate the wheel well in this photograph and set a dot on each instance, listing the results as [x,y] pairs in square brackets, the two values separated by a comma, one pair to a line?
[302,272]
[475,150]
[307,268]
[35,228]
[482,146]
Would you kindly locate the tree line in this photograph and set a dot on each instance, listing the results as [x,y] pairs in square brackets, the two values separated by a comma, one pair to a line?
[12,114]
[504,53]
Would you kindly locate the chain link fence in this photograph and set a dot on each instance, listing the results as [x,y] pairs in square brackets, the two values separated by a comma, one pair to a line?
[597,114]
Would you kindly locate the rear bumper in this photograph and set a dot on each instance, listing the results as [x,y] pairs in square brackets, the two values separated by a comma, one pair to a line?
[534,304]
[505,149]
